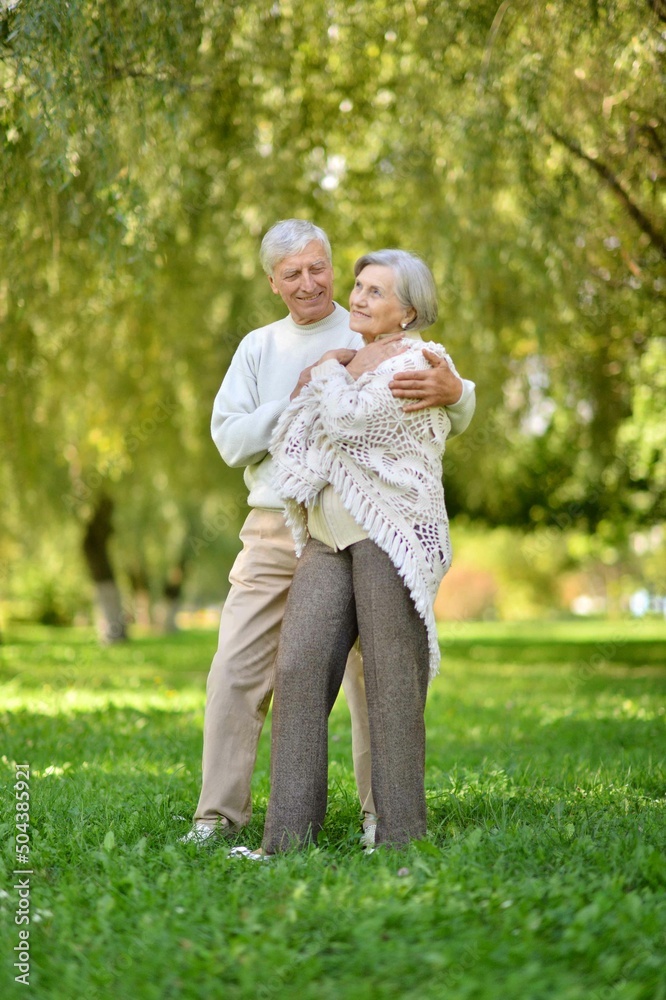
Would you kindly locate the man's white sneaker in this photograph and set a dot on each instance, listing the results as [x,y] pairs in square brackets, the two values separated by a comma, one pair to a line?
[245,852]
[202,833]
[369,831]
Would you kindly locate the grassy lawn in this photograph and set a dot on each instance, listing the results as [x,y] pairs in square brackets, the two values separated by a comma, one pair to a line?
[543,878]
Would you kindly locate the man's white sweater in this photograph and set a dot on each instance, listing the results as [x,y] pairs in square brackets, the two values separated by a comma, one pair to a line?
[256,389]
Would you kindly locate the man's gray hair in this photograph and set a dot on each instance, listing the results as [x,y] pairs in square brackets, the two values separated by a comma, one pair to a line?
[288,237]
[414,283]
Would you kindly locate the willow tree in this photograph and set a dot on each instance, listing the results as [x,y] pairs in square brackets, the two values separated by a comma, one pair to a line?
[518,147]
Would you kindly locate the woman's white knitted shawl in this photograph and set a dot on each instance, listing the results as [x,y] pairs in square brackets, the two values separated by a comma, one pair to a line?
[385,464]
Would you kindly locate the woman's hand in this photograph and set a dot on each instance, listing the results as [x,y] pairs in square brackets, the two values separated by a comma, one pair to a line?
[372,355]
[344,355]
[303,379]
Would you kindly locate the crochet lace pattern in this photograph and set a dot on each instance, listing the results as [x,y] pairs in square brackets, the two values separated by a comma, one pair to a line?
[385,464]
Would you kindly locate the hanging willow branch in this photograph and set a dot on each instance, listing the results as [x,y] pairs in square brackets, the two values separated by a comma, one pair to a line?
[607,175]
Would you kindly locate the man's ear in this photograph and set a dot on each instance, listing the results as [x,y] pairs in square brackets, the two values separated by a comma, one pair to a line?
[274,287]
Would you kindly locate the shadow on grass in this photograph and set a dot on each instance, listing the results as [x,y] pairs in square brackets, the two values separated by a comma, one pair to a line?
[631,651]
[39,656]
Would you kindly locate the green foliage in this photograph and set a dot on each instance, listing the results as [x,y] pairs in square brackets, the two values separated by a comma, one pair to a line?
[515,575]
[518,147]
[643,436]
[543,875]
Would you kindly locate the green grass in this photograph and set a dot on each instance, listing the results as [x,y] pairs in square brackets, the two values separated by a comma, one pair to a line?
[543,877]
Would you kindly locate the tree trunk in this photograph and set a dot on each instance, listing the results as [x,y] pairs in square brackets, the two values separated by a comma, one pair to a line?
[143,612]
[173,590]
[110,614]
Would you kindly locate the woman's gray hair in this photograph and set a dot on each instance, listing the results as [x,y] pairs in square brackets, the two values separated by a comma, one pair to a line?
[414,284]
[288,237]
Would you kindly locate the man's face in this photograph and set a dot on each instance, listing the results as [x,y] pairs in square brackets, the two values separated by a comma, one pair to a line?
[305,283]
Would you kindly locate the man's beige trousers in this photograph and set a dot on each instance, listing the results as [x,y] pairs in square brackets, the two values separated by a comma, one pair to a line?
[241,678]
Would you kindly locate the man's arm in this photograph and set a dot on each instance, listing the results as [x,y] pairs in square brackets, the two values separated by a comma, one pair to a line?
[240,428]
[241,425]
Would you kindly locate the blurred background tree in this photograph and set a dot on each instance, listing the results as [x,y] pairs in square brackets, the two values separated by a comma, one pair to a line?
[145,150]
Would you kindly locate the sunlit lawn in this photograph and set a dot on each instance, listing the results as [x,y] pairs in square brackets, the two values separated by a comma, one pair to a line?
[544,875]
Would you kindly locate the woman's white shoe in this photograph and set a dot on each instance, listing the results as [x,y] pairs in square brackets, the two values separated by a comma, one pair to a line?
[369,831]
[245,852]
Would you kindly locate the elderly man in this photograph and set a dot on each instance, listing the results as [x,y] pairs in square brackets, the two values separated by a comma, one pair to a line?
[268,369]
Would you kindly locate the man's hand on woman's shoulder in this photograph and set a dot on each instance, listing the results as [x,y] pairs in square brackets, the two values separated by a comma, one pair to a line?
[434,386]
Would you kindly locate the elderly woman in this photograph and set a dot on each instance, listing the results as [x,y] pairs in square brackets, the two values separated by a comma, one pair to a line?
[361,479]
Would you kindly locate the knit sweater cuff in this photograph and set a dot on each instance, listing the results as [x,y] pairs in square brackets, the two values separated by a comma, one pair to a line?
[461,413]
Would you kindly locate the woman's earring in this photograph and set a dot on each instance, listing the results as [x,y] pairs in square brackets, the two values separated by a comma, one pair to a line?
[404,325]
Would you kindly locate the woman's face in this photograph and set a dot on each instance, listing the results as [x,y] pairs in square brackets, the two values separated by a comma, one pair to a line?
[373,305]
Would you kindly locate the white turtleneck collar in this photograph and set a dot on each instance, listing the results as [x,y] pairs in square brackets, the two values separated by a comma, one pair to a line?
[327,323]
